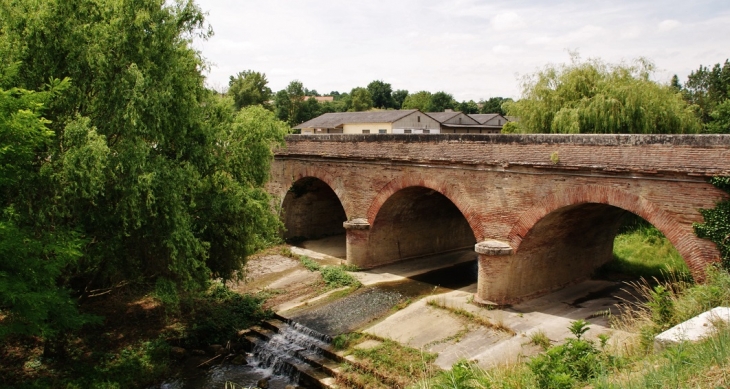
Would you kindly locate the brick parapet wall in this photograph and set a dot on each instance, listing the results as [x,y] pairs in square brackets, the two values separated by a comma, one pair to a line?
[694,155]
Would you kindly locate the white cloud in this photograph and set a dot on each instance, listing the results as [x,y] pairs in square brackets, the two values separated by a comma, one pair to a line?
[668,25]
[507,21]
[504,49]
[469,48]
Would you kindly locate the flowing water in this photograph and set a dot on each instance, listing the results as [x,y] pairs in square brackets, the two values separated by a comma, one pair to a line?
[275,358]
[312,328]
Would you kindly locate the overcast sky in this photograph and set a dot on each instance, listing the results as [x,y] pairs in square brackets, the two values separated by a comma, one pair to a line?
[472,49]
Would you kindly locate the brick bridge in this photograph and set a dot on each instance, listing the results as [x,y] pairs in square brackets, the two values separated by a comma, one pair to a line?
[541,211]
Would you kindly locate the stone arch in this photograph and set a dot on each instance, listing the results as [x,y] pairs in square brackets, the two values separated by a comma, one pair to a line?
[320,174]
[695,252]
[312,209]
[449,191]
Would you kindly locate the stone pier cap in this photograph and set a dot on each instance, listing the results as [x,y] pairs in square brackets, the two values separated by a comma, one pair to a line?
[493,247]
[356,224]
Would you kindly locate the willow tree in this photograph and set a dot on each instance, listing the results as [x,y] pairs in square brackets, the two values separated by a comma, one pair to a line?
[596,97]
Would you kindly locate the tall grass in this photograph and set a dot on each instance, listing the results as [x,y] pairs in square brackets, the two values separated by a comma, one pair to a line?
[641,250]
[662,304]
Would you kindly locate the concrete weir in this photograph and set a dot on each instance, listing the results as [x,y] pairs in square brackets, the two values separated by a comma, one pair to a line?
[556,201]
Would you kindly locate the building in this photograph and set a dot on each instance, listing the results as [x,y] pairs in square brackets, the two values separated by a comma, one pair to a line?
[410,121]
[460,123]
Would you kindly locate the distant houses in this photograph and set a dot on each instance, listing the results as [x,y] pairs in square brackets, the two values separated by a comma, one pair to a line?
[409,121]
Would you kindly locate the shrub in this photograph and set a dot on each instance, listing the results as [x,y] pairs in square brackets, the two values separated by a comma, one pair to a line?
[220,313]
[565,365]
[336,276]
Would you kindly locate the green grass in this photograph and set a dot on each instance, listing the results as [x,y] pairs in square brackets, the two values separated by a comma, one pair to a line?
[310,264]
[646,252]
[704,365]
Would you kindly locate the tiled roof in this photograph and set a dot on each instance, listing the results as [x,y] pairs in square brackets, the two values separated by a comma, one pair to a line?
[337,119]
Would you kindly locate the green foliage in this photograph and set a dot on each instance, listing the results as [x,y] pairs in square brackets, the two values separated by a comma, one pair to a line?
[720,119]
[360,100]
[344,341]
[441,101]
[661,307]
[220,313]
[419,100]
[461,376]
[643,251]
[141,173]
[336,277]
[135,366]
[35,251]
[594,97]
[382,94]
[469,107]
[249,88]
[716,226]
[495,105]
[310,264]
[573,362]
[707,89]
[399,97]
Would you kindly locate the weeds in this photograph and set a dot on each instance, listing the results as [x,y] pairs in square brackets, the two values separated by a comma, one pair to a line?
[499,326]
[310,264]
[336,276]
[333,276]
[540,339]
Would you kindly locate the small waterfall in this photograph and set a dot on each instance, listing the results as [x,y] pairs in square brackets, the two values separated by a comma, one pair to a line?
[282,354]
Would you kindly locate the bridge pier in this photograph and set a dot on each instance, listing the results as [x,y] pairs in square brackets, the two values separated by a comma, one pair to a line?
[494,278]
[357,234]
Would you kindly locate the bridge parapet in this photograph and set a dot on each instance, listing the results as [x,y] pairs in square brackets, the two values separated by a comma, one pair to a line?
[655,154]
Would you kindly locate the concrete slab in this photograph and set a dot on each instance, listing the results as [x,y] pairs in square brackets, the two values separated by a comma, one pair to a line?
[320,257]
[694,329]
[412,267]
[435,330]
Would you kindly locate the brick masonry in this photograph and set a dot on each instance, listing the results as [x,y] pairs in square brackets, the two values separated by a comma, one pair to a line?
[506,186]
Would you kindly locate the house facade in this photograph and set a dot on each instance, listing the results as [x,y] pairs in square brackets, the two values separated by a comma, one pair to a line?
[410,121]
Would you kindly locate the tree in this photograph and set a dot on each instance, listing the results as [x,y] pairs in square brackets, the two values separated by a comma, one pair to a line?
[675,83]
[290,103]
[469,107]
[399,96]
[594,97]
[361,100]
[142,154]
[419,100]
[441,101]
[494,105]
[381,94]
[707,89]
[249,88]
[34,250]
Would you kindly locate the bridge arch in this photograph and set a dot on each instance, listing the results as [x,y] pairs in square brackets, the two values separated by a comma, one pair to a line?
[415,221]
[450,191]
[606,205]
[312,209]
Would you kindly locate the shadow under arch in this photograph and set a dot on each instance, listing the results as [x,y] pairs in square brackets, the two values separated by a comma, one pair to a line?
[311,210]
[417,221]
[574,230]
[451,192]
